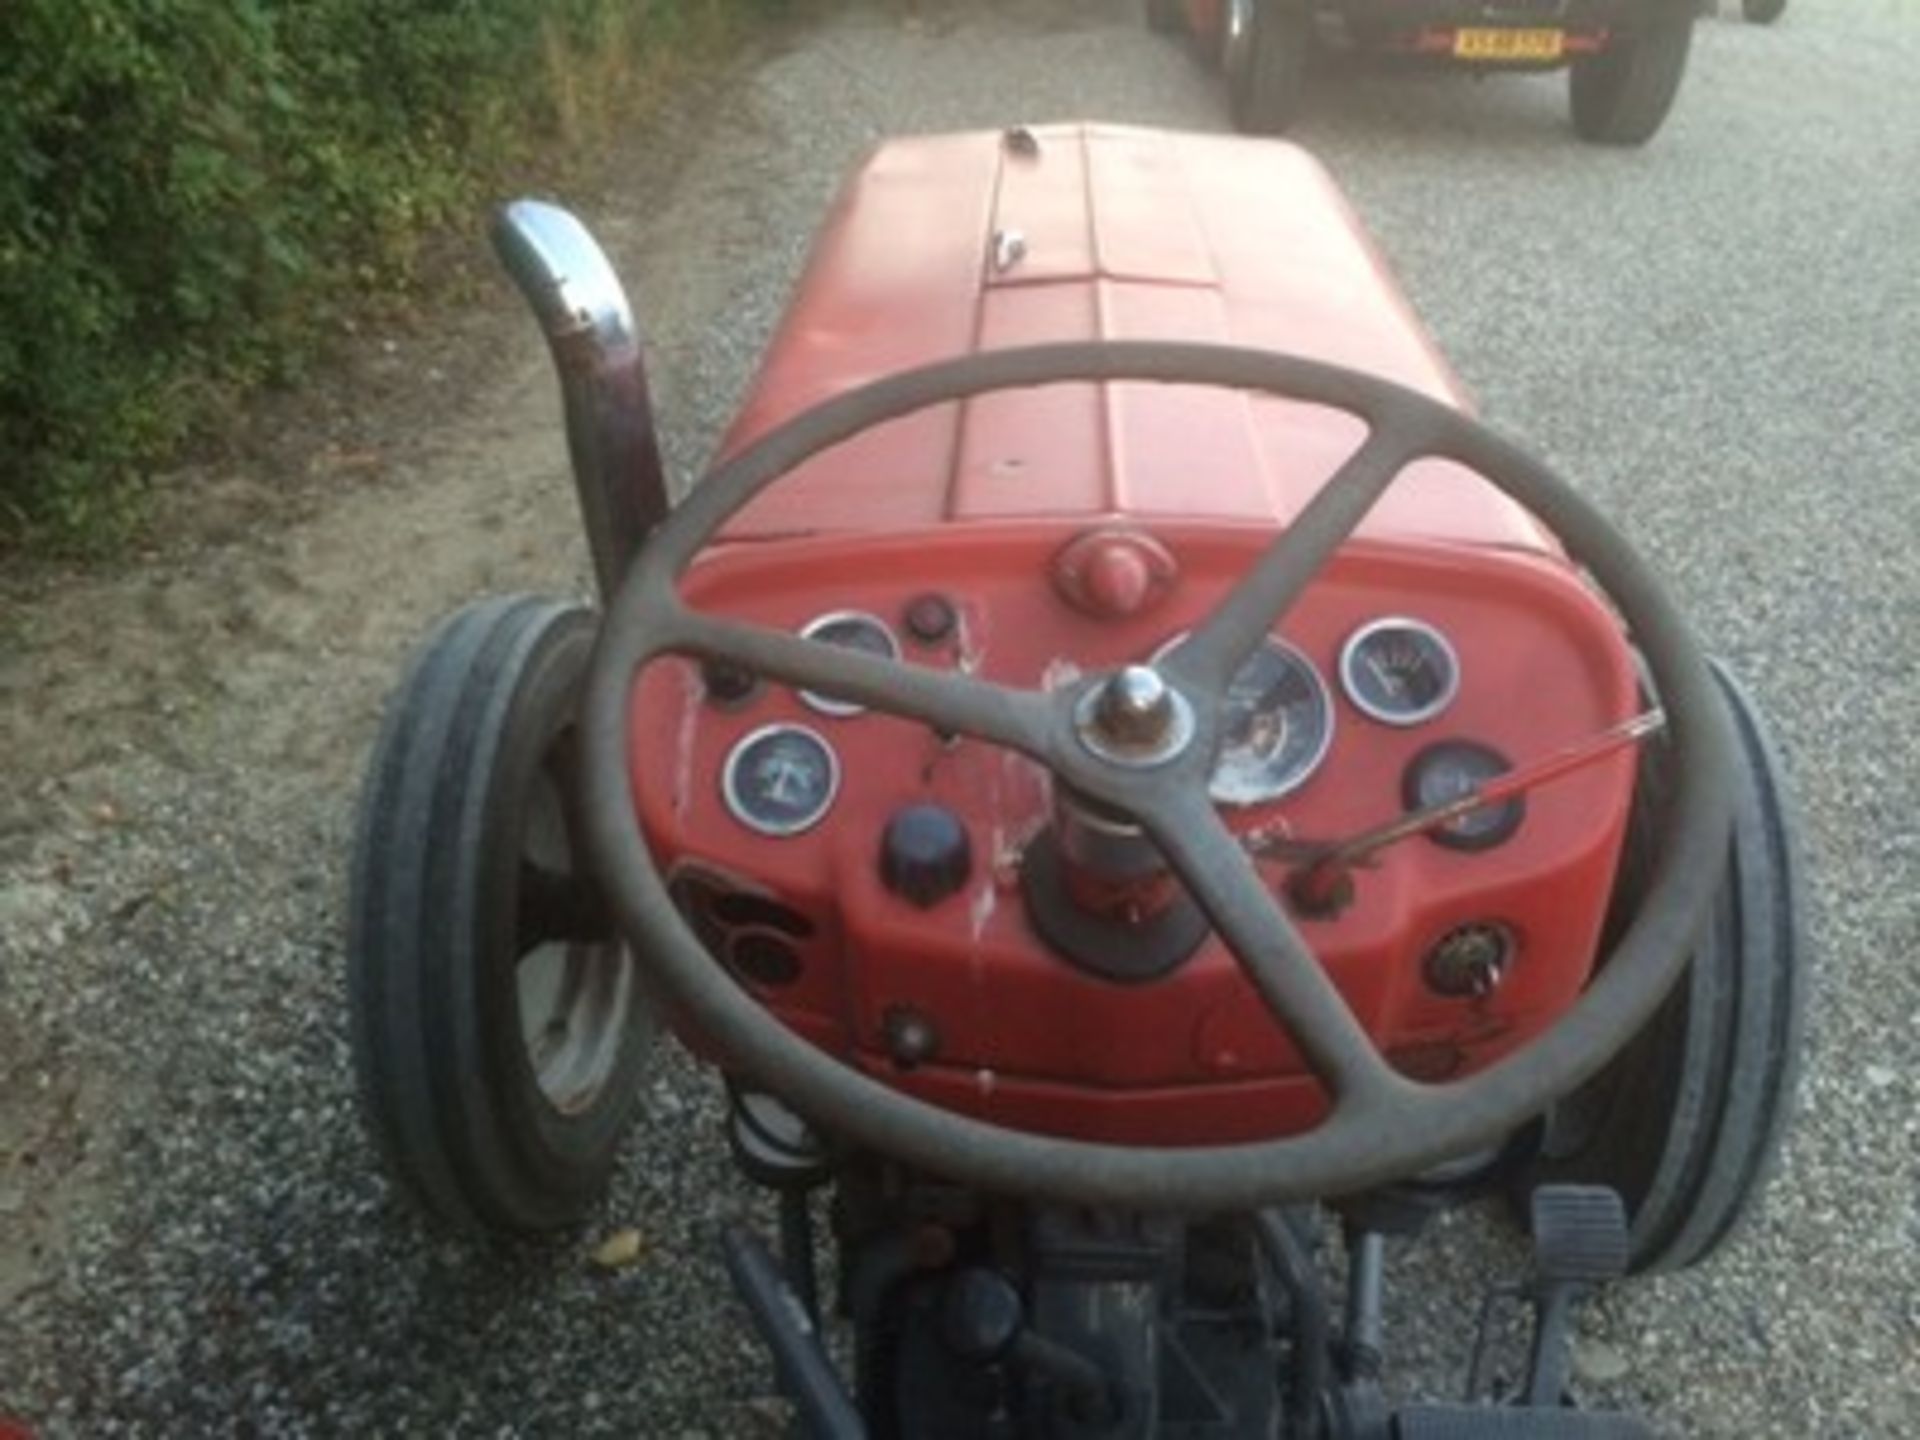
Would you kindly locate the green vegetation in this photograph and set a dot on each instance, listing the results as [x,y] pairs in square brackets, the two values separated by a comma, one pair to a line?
[195,193]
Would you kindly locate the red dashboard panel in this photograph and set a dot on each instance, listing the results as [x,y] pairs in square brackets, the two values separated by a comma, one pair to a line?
[1019,1034]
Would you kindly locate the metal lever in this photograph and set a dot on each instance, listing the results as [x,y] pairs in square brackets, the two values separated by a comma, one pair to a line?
[806,1374]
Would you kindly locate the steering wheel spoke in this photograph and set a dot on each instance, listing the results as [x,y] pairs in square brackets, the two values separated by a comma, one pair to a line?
[1208,658]
[1020,720]
[1222,879]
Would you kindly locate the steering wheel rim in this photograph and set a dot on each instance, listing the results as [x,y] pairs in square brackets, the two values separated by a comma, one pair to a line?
[1382,1126]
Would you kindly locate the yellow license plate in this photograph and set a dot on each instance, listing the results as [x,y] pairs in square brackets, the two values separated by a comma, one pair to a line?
[1483,44]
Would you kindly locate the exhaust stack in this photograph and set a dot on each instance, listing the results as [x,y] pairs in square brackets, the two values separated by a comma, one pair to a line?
[583,311]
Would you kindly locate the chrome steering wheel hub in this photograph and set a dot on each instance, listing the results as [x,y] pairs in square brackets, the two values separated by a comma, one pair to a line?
[1134,718]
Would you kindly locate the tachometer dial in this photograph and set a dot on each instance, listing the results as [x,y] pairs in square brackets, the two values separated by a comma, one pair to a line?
[1399,671]
[780,779]
[1277,725]
[850,630]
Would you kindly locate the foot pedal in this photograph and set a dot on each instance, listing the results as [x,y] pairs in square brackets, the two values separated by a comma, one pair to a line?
[1579,1241]
[1579,1235]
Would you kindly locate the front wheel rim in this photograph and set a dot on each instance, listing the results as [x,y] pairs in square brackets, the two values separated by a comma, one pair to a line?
[575,1003]
[574,995]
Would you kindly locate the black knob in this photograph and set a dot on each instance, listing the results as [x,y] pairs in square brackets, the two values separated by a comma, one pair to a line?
[925,855]
[910,1036]
[727,684]
[982,1315]
[931,618]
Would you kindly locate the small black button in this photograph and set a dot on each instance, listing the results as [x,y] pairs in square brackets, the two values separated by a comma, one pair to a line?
[727,684]
[930,618]
[982,1315]
[925,855]
[911,1038]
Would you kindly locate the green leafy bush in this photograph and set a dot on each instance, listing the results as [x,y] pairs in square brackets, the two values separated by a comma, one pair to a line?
[188,188]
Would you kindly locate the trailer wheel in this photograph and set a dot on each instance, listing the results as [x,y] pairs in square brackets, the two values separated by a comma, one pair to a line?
[497,1022]
[1763,12]
[1265,48]
[1686,1122]
[1622,95]
[1165,17]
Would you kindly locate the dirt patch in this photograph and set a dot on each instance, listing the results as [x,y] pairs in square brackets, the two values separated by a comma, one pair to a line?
[225,677]
[51,1156]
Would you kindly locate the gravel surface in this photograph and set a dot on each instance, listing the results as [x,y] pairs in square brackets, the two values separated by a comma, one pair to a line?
[1720,336]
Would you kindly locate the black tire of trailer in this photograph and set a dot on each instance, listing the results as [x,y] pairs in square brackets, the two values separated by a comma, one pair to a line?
[1267,93]
[1623,95]
[463,875]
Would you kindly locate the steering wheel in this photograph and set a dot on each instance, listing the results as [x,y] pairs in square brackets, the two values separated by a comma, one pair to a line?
[1143,744]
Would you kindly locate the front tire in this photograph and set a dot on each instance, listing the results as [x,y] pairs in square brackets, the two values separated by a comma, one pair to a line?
[497,1021]
[1267,67]
[1622,95]
[1763,12]
[1686,1122]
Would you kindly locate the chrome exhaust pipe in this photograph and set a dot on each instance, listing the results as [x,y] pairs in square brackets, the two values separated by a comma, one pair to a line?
[583,311]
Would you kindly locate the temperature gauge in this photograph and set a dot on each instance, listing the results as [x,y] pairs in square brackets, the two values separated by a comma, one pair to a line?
[780,780]
[1399,671]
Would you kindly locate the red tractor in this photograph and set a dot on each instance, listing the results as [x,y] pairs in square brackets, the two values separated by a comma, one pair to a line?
[1115,766]
[1624,58]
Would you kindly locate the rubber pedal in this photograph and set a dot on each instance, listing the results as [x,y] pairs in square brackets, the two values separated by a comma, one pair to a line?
[1579,1234]
[1492,1422]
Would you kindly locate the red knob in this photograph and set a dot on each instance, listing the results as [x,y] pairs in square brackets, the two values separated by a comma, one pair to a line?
[1113,574]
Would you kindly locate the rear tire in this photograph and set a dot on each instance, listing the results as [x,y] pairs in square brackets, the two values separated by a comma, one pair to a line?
[497,1021]
[1622,95]
[1763,12]
[1686,1122]
[1166,17]
[1266,90]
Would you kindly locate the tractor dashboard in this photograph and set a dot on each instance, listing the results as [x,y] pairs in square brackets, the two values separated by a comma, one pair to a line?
[874,882]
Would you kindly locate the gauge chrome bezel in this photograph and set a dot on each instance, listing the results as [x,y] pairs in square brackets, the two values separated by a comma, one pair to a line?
[1433,709]
[730,782]
[826,704]
[1240,798]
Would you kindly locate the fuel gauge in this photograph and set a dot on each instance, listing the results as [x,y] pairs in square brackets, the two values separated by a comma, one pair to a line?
[1399,671]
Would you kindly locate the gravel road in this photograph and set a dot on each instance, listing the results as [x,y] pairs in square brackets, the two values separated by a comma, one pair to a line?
[1719,336]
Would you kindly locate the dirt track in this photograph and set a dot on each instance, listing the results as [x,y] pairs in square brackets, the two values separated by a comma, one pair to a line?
[1721,336]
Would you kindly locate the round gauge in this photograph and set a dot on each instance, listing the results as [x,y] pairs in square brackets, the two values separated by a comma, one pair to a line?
[1447,771]
[1399,671]
[850,630]
[1275,728]
[780,779]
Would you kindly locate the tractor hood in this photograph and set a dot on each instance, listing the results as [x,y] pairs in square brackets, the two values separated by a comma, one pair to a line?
[940,246]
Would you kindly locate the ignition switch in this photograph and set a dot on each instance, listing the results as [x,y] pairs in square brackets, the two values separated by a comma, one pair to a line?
[1470,961]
